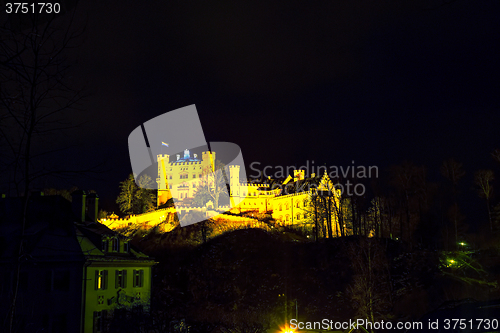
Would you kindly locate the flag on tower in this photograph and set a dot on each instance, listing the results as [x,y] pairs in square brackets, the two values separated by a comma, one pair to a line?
[164,144]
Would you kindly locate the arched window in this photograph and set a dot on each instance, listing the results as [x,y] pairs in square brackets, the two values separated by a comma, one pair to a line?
[287,218]
[298,204]
[281,208]
[298,216]
[286,206]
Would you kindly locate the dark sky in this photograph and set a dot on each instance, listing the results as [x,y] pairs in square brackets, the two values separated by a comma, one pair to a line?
[377,82]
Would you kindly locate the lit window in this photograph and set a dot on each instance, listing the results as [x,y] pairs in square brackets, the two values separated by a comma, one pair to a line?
[281,208]
[138,278]
[286,207]
[101,279]
[121,279]
[298,216]
[287,218]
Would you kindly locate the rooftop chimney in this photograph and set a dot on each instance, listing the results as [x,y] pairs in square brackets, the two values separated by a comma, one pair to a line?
[78,204]
[92,207]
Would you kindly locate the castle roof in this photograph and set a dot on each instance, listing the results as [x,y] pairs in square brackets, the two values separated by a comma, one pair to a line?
[186,158]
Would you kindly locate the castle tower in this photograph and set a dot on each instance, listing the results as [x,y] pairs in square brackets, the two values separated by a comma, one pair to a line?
[208,160]
[164,193]
[234,184]
[298,175]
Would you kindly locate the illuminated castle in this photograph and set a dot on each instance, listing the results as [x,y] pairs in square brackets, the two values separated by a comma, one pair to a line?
[288,200]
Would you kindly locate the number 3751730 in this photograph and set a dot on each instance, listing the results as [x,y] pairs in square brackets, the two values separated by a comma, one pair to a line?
[38,8]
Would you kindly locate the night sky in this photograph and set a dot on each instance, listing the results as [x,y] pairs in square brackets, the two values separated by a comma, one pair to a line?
[377,82]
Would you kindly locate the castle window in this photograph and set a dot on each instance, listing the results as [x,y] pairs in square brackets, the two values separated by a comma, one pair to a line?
[298,216]
[170,177]
[126,246]
[280,207]
[194,176]
[286,206]
[287,218]
[298,204]
[170,186]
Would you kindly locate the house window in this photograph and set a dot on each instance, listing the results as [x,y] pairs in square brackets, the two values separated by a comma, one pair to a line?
[99,317]
[138,278]
[126,246]
[116,245]
[101,279]
[121,279]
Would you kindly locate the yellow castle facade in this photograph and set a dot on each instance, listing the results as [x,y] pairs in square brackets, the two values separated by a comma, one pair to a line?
[289,201]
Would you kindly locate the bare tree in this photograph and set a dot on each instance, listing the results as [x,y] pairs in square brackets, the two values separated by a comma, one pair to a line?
[483,179]
[453,171]
[213,185]
[34,97]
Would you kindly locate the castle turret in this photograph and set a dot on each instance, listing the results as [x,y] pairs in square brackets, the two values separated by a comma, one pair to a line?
[298,175]
[164,193]
[208,160]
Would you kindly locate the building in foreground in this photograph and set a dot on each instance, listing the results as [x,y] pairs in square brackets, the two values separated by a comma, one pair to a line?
[73,272]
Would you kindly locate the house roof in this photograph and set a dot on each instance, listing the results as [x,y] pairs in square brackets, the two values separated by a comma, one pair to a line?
[52,235]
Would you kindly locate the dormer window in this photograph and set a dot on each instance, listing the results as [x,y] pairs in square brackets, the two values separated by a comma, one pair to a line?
[104,245]
[115,245]
[126,246]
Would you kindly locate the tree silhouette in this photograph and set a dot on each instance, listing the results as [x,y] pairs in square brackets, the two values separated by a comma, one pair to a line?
[483,179]
[135,199]
[35,97]
[453,171]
